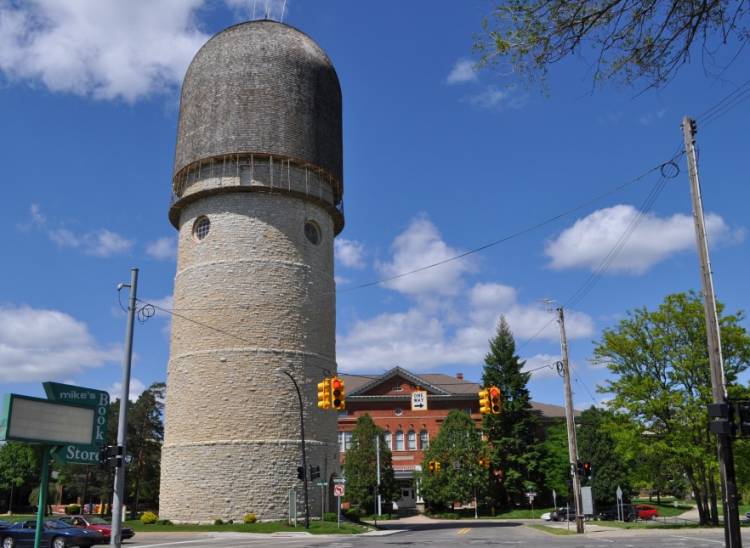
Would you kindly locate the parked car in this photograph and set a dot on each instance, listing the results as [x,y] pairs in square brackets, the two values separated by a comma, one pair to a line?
[646,511]
[547,516]
[561,514]
[95,523]
[55,534]
[4,524]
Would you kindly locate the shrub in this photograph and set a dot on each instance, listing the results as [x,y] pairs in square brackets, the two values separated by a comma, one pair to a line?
[149,518]
[230,521]
[353,514]
[330,516]
[73,509]
[219,521]
[164,522]
[250,518]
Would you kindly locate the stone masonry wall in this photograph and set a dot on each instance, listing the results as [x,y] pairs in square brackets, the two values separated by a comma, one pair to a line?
[232,421]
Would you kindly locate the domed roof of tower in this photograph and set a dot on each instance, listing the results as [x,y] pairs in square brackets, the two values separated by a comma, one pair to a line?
[261,87]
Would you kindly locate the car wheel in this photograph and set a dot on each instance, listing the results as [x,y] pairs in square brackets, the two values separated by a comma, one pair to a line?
[58,542]
[9,542]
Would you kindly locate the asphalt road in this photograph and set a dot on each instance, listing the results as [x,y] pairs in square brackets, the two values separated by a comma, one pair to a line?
[462,533]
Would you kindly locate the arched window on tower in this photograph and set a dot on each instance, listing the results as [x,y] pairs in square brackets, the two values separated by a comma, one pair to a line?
[399,440]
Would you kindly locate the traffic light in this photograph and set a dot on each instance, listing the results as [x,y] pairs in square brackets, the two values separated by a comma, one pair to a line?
[484,402]
[495,401]
[579,469]
[301,473]
[587,470]
[434,467]
[337,392]
[324,394]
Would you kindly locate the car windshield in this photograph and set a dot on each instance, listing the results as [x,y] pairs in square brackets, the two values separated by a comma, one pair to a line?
[56,524]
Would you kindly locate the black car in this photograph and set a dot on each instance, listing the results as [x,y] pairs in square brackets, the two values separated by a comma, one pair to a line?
[55,534]
[610,514]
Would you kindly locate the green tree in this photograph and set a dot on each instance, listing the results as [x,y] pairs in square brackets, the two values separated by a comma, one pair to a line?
[145,437]
[628,41]
[360,467]
[596,445]
[555,462]
[662,386]
[18,466]
[458,448]
[515,450]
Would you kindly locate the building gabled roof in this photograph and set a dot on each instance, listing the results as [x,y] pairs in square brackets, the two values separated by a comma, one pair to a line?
[439,384]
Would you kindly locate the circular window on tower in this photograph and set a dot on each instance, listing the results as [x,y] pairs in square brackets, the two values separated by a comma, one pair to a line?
[201,227]
[312,232]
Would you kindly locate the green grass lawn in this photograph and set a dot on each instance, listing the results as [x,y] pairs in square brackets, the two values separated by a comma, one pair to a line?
[552,530]
[316,526]
[646,525]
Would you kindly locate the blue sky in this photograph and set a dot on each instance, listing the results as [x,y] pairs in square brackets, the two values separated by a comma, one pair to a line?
[439,159]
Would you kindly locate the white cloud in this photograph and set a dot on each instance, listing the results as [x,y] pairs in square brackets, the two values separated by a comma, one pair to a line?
[463,71]
[349,253]
[107,49]
[273,9]
[136,388]
[99,243]
[494,98]
[457,331]
[41,345]
[419,245]
[591,238]
[163,249]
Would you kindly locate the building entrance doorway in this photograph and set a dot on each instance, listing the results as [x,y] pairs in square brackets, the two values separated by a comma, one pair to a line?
[407,498]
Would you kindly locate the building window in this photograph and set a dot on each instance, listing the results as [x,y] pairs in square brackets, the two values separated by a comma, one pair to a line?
[399,440]
[398,411]
[412,440]
[398,388]
[387,439]
[201,227]
[312,232]
[345,441]
[424,440]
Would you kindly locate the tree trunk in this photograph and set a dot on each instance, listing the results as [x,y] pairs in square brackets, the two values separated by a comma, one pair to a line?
[714,505]
[658,497]
[698,496]
[10,499]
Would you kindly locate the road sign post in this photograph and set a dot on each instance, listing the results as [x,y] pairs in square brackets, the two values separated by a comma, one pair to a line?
[338,491]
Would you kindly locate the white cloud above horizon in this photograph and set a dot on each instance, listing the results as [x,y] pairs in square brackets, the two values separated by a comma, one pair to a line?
[495,98]
[43,344]
[448,320]
[163,249]
[463,71]
[135,389]
[590,239]
[349,253]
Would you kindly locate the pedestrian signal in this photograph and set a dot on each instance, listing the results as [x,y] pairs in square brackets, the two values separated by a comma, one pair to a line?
[484,402]
[324,394]
[338,401]
[587,470]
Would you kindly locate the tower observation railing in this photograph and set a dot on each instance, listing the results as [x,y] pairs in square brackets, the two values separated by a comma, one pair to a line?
[265,171]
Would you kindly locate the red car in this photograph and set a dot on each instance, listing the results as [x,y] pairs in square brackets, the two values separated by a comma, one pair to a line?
[645,511]
[95,523]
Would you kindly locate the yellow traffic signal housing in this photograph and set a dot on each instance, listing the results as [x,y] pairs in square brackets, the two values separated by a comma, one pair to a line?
[483,462]
[437,467]
[484,402]
[338,398]
[431,466]
[324,394]
[496,404]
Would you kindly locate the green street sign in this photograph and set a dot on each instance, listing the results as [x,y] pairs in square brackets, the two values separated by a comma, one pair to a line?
[89,397]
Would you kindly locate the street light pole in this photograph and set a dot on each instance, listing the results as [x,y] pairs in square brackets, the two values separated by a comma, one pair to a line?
[304,453]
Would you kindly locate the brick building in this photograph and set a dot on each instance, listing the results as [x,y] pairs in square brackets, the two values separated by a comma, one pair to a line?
[387,399]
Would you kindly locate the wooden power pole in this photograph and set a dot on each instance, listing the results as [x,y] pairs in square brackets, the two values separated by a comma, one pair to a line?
[720,410]
[569,410]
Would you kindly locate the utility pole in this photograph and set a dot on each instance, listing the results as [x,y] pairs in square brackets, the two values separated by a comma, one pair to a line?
[122,426]
[732,536]
[377,479]
[572,444]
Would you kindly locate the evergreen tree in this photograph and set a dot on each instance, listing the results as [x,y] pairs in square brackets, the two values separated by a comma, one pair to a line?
[515,449]
[360,468]
[458,448]
[596,445]
[555,462]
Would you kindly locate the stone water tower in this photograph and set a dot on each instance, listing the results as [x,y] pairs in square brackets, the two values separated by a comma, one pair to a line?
[257,201]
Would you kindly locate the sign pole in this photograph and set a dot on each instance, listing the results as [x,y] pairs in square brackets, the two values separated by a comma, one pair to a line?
[42,497]
[338,513]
